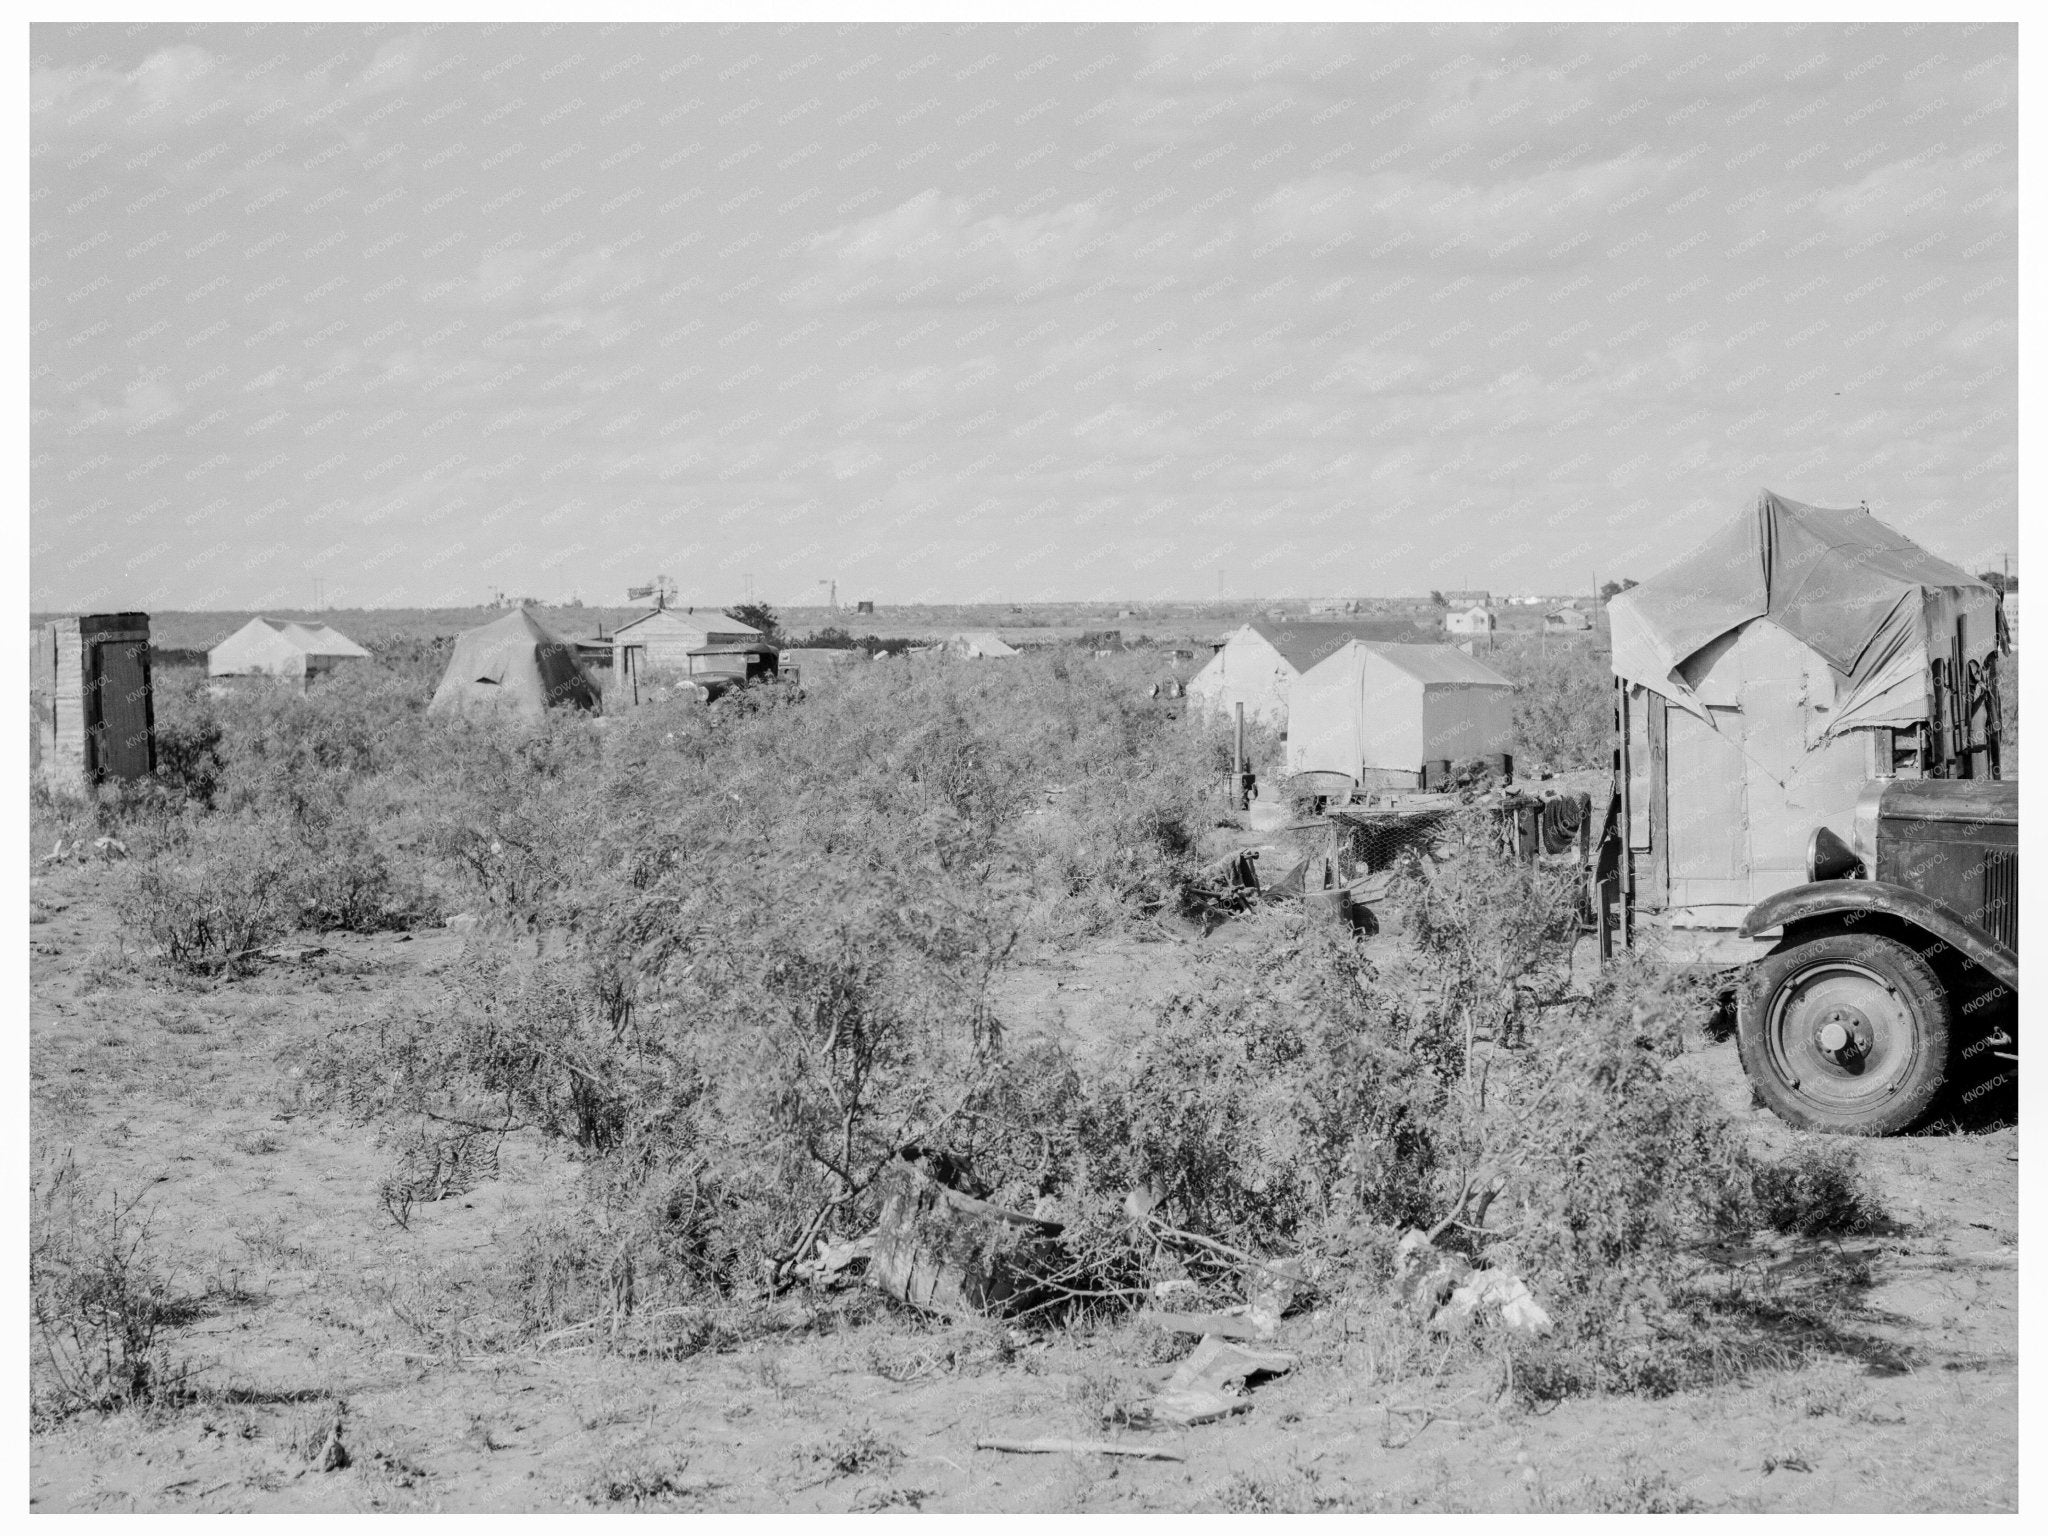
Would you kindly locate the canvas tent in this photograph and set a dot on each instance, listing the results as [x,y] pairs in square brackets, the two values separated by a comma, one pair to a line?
[514,662]
[1256,664]
[1765,677]
[1377,712]
[980,644]
[283,648]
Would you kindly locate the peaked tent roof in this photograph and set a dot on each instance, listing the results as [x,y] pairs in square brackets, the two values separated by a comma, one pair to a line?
[982,642]
[320,639]
[309,639]
[1835,578]
[1433,665]
[1306,644]
[515,662]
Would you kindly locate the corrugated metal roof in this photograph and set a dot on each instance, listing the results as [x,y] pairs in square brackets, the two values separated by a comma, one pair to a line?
[1306,644]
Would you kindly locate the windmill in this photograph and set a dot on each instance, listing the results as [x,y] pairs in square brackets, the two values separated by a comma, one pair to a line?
[662,589]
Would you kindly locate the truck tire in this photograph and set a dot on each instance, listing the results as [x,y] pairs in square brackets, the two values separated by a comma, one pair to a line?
[1846,1033]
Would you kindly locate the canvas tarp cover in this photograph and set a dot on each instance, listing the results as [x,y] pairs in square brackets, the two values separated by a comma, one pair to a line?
[1865,598]
[515,662]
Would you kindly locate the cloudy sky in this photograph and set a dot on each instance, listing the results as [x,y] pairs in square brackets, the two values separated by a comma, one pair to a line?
[1001,312]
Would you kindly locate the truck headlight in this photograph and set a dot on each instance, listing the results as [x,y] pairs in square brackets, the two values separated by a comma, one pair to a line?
[1829,858]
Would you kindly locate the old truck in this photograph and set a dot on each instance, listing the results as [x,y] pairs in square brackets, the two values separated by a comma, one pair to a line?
[1898,959]
[1809,798]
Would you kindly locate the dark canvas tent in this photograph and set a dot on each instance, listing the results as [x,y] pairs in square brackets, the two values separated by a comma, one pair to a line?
[514,662]
[1870,602]
[1766,677]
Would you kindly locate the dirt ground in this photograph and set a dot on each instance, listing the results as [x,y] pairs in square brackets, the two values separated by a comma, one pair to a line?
[317,1298]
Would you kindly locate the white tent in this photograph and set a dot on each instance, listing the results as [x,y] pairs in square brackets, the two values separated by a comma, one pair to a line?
[980,644]
[1379,711]
[281,648]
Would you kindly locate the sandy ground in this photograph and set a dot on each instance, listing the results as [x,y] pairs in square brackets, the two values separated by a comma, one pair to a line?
[184,1095]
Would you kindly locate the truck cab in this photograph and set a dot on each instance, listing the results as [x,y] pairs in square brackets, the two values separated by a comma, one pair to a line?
[1895,963]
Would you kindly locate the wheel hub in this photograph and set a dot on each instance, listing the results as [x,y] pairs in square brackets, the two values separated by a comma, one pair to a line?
[1842,1034]
[1839,1035]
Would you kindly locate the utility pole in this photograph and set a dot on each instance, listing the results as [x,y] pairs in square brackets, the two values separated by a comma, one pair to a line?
[833,586]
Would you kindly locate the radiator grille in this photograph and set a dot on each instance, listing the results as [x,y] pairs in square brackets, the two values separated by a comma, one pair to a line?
[2002,896]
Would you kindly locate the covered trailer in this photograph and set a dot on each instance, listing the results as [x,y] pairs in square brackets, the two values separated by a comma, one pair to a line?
[1377,712]
[1760,683]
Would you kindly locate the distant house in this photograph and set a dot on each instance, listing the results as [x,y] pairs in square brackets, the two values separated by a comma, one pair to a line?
[1474,620]
[1255,665]
[1332,605]
[1566,621]
[282,648]
[1466,597]
[979,645]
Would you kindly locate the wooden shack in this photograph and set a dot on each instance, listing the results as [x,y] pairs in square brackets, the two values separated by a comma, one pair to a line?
[1764,679]
[91,701]
[665,640]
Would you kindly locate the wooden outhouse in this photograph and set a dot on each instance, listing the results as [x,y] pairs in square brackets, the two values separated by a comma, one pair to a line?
[91,701]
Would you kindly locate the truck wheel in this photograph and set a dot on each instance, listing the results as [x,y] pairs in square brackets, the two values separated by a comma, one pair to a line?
[1846,1033]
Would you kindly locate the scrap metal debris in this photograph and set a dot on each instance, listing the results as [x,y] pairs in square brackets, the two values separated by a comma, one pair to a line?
[1212,1383]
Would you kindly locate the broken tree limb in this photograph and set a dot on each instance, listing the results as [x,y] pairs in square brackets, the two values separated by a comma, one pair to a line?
[1079,1448]
[1220,1324]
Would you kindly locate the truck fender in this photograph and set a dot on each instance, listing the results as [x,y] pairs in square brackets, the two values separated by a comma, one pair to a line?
[1826,898]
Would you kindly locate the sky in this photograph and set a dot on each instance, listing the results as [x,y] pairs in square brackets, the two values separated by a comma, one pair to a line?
[1014,313]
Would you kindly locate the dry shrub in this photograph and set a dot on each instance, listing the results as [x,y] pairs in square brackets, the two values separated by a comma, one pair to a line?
[100,1302]
[208,908]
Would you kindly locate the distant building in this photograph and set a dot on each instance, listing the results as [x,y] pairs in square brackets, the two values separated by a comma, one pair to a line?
[864,606]
[1332,605]
[1465,597]
[2010,602]
[1475,620]
[1566,621]
[665,637]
